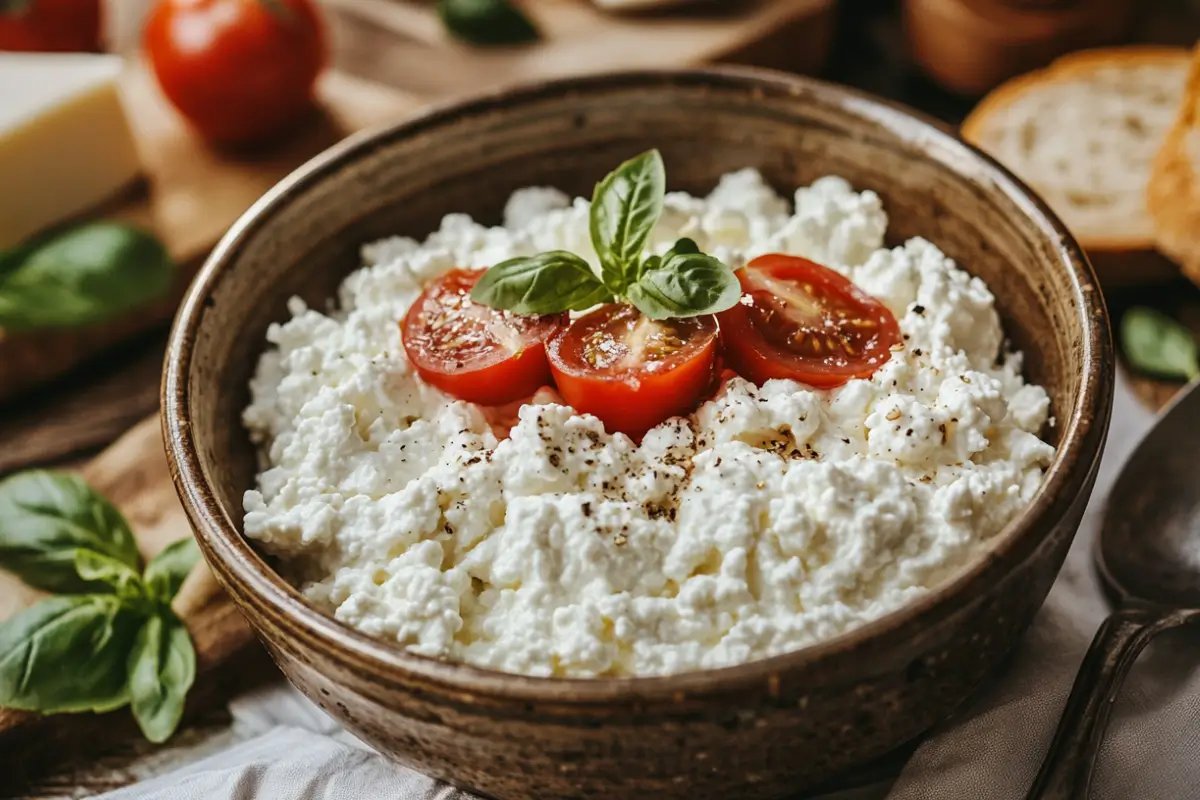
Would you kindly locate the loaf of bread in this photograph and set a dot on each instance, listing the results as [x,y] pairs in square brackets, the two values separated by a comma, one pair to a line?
[1083,133]
[1173,194]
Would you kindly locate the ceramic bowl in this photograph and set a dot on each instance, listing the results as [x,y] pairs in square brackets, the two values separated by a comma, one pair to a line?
[764,729]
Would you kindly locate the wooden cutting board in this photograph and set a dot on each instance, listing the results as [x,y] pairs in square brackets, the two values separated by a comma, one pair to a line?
[578,38]
[191,195]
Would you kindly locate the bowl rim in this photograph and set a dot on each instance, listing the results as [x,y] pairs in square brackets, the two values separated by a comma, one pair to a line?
[236,564]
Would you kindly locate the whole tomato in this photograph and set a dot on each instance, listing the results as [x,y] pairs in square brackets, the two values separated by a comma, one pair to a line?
[239,70]
[50,26]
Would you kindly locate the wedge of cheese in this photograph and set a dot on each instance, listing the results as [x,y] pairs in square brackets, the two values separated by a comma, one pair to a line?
[65,144]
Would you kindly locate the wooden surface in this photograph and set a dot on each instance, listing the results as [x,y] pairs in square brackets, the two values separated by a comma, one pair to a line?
[404,43]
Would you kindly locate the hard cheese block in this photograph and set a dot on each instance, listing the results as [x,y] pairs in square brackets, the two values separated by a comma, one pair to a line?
[65,144]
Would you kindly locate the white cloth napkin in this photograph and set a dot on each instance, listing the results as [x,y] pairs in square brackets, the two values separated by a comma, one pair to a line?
[991,751]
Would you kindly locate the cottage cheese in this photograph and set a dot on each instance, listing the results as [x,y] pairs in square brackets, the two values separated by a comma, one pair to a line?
[774,517]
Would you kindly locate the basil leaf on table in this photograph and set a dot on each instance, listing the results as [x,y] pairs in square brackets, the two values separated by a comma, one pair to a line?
[625,208]
[67,654]
[547,283]
[1157,344]
[83,276]
[684,284]
[166,571]
[162,668]
[487,22]
[45,517]
[122,578]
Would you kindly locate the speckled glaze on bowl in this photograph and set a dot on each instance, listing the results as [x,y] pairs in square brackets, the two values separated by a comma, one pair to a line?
[765,729]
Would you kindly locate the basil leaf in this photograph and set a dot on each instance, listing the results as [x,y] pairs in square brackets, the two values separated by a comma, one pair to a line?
[1155,343]
[487,22]
[67,654]
[547,283]
[97,567]
[167,570]
[45,517]
[84,276]
[625,208]
[162,667]
[684,246]
[685,285]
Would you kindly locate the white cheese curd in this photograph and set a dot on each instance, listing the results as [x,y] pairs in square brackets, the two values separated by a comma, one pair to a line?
[772,518]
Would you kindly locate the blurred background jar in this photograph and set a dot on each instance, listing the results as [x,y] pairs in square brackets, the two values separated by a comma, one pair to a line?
[971,46]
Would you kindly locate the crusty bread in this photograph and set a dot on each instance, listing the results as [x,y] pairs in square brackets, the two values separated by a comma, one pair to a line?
[1173,194]
[1083,133]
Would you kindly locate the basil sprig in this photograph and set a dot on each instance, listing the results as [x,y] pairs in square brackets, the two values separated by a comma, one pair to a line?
[81,276]
[625,208]
[1157,344]
[111,639]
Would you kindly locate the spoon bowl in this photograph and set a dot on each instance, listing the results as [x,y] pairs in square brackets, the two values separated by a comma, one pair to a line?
[1149,545]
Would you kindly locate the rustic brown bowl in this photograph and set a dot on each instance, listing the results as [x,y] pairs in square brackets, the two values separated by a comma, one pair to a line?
[764,729]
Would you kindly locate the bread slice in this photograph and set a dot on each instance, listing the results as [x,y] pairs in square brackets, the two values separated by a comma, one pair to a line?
[1173,194]
[1083,133]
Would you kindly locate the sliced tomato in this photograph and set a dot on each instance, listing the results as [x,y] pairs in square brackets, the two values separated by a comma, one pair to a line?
[630,371]
[800,320]
[474,352]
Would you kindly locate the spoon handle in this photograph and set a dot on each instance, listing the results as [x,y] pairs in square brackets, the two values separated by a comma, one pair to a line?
[1066,774]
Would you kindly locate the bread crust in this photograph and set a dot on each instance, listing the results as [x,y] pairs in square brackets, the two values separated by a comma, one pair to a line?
[1173,193]
[1070,66]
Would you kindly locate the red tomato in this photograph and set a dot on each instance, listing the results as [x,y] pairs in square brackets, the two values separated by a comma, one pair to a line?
[239,70]
[473,352]
[51,26]
[803,321]
[630,371]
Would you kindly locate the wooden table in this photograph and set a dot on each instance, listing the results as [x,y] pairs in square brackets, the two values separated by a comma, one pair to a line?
[73,418]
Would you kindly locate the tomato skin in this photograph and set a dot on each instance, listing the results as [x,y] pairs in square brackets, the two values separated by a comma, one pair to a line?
[632,401]
[486,374]
[240,71]
[52,26]
[752,353]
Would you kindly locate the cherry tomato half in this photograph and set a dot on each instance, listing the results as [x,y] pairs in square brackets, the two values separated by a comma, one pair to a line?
[239,70]
[474,352]
[806,322]
[51,26]
[630,371]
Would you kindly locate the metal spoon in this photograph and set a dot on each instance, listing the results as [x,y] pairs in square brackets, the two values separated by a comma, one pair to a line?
[1148,559]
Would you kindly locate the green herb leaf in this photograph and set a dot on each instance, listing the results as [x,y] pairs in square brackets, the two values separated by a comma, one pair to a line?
[45,517]
[97,567]
[1155,343]
[547,283]
[162,667]
[487,22]
[685,284]
[67,654]
[625,208]
[83,276]
[167,570]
